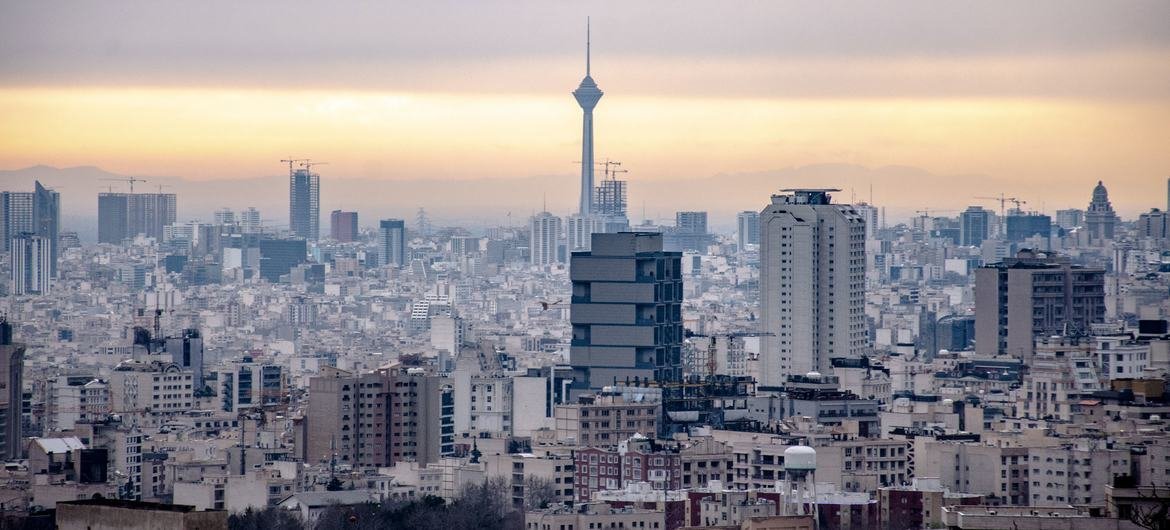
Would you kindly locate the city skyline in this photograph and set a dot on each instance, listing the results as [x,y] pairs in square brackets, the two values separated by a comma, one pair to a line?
[1081,99]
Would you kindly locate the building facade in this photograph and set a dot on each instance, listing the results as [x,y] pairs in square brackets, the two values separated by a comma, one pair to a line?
[304,204]
[626,311]
[812,284]
[392,242]
[127,215]
[343,226]
[1033,294]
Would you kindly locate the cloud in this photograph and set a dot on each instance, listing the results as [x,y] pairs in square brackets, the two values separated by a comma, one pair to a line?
[509,46]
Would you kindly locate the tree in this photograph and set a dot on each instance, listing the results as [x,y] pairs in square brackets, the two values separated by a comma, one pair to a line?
[539,493]
[1151,510]
[270,518]
[334,485]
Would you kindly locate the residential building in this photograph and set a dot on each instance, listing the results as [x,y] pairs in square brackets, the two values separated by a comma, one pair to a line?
[747,231]
[812,284]
[11,398]
[544,239]
[31,260]
[1033,294]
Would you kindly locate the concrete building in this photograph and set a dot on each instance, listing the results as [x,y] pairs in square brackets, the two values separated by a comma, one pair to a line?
[747,229]
[304,204]
[343,226]
[37,213]
[31,260]
[1033,294]
[127,215]
[186,350]
[812,284]
[605,420]
[392,242]
[376,419]
[95,514]
[544,239]
[1154,224]
[594,515]
[626,311]
[11,398]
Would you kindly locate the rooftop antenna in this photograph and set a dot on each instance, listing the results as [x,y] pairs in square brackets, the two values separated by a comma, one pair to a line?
[587,44]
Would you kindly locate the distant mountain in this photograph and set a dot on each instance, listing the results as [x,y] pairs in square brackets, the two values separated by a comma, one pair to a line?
[489,201]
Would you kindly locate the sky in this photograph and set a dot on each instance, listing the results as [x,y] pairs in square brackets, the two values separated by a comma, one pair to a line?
[1034,99]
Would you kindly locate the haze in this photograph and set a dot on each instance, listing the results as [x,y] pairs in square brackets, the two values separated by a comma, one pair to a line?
[1032,99]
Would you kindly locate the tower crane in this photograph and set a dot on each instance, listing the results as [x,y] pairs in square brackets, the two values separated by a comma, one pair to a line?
[290,160]
[130,180]
[308,165]
[1003,200]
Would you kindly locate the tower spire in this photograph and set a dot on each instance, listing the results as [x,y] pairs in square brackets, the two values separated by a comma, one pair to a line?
[587,45]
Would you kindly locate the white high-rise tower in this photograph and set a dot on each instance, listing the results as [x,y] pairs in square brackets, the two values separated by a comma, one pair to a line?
[587,95]
[812,284]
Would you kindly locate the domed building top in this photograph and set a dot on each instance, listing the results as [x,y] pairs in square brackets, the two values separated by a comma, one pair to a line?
[1100,221]
[1100,195]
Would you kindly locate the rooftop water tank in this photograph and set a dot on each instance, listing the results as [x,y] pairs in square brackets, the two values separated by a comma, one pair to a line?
[800,458]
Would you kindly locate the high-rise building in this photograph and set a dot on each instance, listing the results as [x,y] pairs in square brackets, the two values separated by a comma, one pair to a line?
[1154,224]
[1021,226]
[872,216]
[250,220]
[974,226]
[544,238]
[31,258]
[812,284]
[343,226]
[17,218]
[747,230]
[279,256]
[689,233]
[11,398]
[579,230]
[187,351]
[610,198]
[127,215]
[1030,295]
[626,311]
[587,96]
[392,242]
[224,217]
[1070,218]
[1100,220]
[304,204]
[37,212]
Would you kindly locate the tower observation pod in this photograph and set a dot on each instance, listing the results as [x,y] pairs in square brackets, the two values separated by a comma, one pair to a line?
[799,484]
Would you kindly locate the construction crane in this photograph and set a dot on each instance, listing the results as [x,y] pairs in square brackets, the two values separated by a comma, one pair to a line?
[308,165]
[545,305]
[131,180]
[926,212]
[290,160]
[1003,200]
